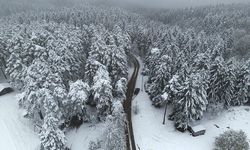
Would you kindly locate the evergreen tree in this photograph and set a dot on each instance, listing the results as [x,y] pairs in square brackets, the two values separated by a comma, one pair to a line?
[91,69]
[191,99]
[160,79]
[78,96]
[52,138]
[99,51]
[119,65]
[120,89]
[221,83]
[241,85]
[32,99]
[102,91]
[122,39]
[115,128]
[15,66]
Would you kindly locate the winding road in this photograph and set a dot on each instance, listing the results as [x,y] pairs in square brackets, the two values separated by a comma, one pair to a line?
[128,104]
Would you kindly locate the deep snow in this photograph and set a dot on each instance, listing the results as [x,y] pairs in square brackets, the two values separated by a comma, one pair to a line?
[151,134]
[16,132]
[78,139]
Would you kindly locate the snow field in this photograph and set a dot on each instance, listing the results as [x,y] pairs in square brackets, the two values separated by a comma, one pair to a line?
[16,132]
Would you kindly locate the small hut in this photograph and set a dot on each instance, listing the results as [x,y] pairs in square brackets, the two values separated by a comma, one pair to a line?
[197,130]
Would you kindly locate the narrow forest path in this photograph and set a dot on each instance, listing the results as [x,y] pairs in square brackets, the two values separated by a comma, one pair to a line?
[128,104]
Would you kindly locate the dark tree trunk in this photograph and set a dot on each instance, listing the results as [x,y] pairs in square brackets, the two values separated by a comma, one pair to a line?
[165,112]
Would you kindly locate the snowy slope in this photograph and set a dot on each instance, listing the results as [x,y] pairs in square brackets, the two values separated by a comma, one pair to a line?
[151,134]
[15,131]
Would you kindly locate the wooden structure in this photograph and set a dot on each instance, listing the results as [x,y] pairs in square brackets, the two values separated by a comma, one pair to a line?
[197,130]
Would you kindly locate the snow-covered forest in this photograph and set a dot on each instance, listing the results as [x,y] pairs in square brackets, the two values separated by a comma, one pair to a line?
[70,64]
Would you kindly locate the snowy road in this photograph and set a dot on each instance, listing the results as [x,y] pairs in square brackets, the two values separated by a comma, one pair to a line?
[128,104]
[15,131]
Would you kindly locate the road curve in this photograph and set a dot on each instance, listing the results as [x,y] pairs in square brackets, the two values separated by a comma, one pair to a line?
[130,141]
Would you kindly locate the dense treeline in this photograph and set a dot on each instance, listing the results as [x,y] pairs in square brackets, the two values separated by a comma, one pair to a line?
[201,64]
[66,60]
[62,68]
[223,20]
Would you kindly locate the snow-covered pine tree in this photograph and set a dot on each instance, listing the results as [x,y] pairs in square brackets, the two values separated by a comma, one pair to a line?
[24,48]
[15,67]
[241,85]
[102,92]
[221,84]
[3,52]
[99,54]
[40,77]
[118,65]
[160,79]
[115,128]
[62,59]
[191,99]
[120,89]
[91,68]
[78,96]
[55,84]
[151,60]
[99,51]
[52,138]
[31,99]
[122,39]
[201,62]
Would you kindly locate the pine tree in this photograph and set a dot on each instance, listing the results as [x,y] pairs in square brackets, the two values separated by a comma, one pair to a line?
[78,96]
[221,83]
[32,99]
[102,91]
[118,65]
[52,138]
[160,79]
[201,62]
[115,128]
[122,39]
[3,52]
[190,98]
[91,68]
[151,60]
[241,85]
[120,89]
[15,66]
[99,51]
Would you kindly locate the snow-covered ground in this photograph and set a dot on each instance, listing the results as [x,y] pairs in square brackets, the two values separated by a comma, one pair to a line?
[78,139]
[16,132]
[151,134]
